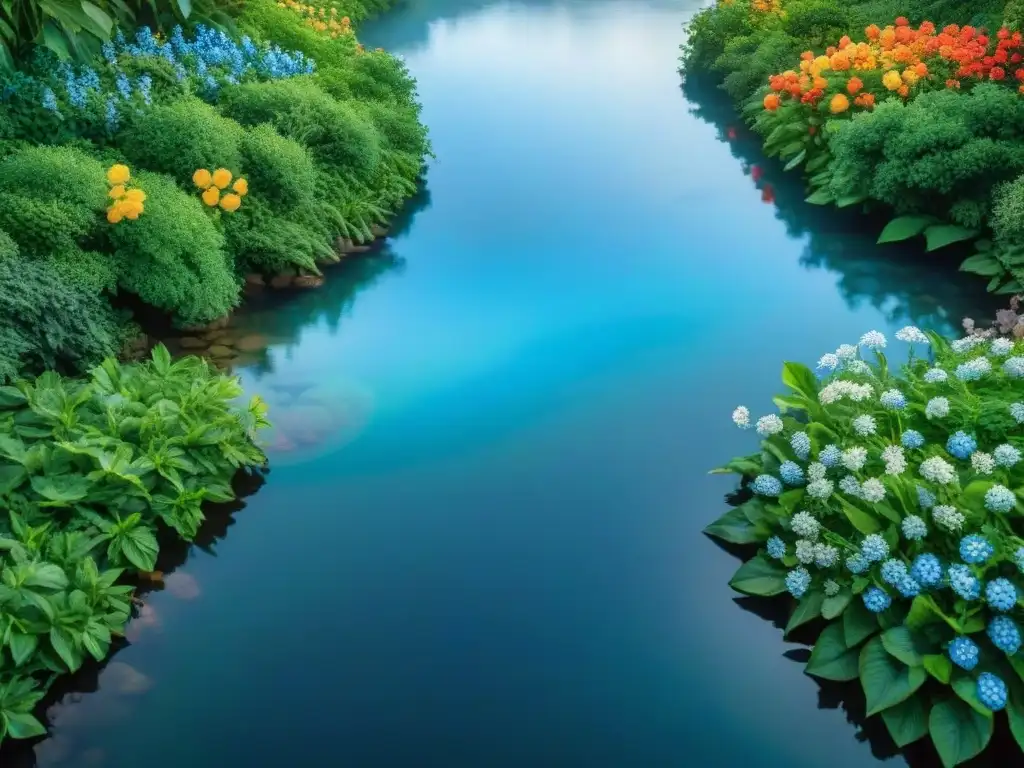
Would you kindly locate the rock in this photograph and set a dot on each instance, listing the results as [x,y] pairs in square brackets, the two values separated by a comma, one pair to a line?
[220,351]
[255,280]
[308,281]
[360,248]
[192,342]
[281,281]
[251,343]
[379,231]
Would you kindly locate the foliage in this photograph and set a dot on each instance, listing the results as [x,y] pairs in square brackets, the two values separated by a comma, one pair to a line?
[887,506]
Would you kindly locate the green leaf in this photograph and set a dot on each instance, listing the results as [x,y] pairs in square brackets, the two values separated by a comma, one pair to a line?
[939,667]
[858,623]
[958,731]
[800,379]
[758,576]
[61,489]
[22,646]
[808,609]
[11,397]
[1015,713]
[140,548]
[22,725]
[835,605]
[904,644]
[848,200]
[11,476]
[831,658]
[966,687]
[795,161]
[982,264]
[908,721]
[65,648]
[821,197]
[736,528]
[741,466]
[904,228]
[940,235]
[47,576]
[861,520]
[886,681]
[101,23]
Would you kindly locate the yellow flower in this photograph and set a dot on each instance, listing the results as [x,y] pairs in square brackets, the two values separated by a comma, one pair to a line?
[135,195]
[910,76]
[211,196]
[118,174]
[892,80]
[202,178]
[241,186]
[114,215]
[116,192]
[839,104]
[821,64]
[221,177]
[131,209]
[230,202]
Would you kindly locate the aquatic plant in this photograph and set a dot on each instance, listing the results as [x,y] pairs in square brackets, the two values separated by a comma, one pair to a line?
[910,546]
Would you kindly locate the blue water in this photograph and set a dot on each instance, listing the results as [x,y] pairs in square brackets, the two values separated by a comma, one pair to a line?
[479,544]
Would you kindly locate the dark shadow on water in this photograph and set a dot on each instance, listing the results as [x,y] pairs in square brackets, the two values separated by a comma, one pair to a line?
[900,280]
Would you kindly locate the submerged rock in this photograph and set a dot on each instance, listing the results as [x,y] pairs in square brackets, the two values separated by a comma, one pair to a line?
[251,342]
[192,342]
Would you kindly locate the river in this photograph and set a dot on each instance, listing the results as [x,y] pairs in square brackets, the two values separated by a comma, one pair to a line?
[479,543]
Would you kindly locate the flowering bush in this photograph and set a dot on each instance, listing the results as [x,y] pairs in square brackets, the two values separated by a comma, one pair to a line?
[886,503]
[322,19]
[127,203]
[213,184]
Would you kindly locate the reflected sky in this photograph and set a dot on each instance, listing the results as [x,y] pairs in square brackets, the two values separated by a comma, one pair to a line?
[490,555]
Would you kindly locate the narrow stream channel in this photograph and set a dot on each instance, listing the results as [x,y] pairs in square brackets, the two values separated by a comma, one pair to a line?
[479,543]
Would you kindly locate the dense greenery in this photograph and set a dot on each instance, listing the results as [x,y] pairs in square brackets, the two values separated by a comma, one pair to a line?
[887,503]
[919,118]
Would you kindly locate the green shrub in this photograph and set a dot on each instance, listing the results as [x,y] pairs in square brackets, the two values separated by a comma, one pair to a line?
[708,32]
[1008,212]
[173,257]
[750,60]
[279,170]
[399,126]
[819,23]
[266,239]
[179,137]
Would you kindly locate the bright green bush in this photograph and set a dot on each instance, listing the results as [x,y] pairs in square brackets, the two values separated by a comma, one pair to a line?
[266,239]
[1008,212]
[708,32]
[750,60]
[279,170]
[818,23]
[173,256]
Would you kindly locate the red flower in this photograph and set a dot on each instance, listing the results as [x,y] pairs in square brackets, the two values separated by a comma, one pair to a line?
[768,194]
[731,133]
[756,172]
[1019,74]
[1003,33]
[997,73]
[812,129]
[902,21]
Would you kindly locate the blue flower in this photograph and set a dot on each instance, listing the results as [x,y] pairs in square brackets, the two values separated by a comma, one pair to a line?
[776,548]
[1001,594]
[767,485]
[991,691]
[110,114]
[964,653]
[874,548]
[876,600]
[1014,367]
[109,53]
[49,100]
[893,571]
[973,369]
[830,456]
[797,582]
[963,582]
[961,445]
[124,85]
[925,498]
[912,439]
[856,564]
[926,569]
[1006,455]
[908,587]
[893,399]
[801,445]
[791,473]
[975,548]
[145,84]
[999,498]
[914,528]
[1018,559]
[1004,635]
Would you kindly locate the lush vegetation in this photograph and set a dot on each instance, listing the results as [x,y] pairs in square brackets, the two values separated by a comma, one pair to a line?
[887,503]
[919,118]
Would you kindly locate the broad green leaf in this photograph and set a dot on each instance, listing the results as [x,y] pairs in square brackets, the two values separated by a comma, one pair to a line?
[735,528]
[62,489]
[821,197]
[140,548]
[790,500]
[11,476]
[11,397]
[795,161]
[966,687]
[848,200]
[907,721]
[983,264]
[904,228]
[923,611]
[905,645]
[939,667]
[858,623]
[834,606]
[831,658]
[1015,713]
[758,576]
[808,609]
[22,725]
[22,646]
[65,648]
[741,466]
[101,23]
[973,496]
[958,731]
[940,235]
[801,380]
[47,576]
[861,520]
[885,680]
[13,449]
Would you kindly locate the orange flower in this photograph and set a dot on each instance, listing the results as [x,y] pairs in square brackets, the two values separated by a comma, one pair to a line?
[771,102]
[854,85]
[777,82]
[872,32]
[921,68]
[221,177]
[903,91]
[230,202]
[114,215]
[839,61]
[1020,89]
[997,73]
[866,100]
[202,178]
[887,38]
[241,186]
[807,56]
[211,196]
[951,83]
[820,83]
[838,104]
[902,21]
[844,41]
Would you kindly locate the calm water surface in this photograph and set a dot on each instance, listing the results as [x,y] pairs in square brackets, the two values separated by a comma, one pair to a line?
[479,544]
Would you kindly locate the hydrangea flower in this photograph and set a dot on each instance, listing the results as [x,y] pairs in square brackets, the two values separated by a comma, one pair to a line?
[975,548]
[828,362]
[966,344]
[767,485]
[876,600]
[797,582]
[859,367]
[895,461]
[820,489]
[1018,559]
[973,369]
[927,569]
[1017,411]
[1000,347]
[1014,367]
[937,408]
[893,399]
[791,473]
[947,517]
[1004,634]
[999,498]
[830,456]
[982,463]
[912,439]
[835,391]
[865,425]
[938,470]
[914,528]
[874,548]
[825,555]
[893,571]
[804,551]
[935,376]
[776,548]
[854,459]
[769,425]
[816,471]
[1006,455]
[741,417]
[850,485]
[925,499]
[110,114]
[124,86]
[961,445]
[912,335]
[1001,594]
[873,340]
[804,525]
[801,445]
[831,588]
[872,490]
[963,582]
[856,564]
[49,100]
[964,653]
[908,587]
[991,691]
[846,352]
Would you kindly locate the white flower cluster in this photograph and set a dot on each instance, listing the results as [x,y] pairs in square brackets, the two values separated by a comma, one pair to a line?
[769,425]
[983,463]
[895,460]
[947,517]
[938,470]
[912,335]
[835,391]
[854,459]
[741,417]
